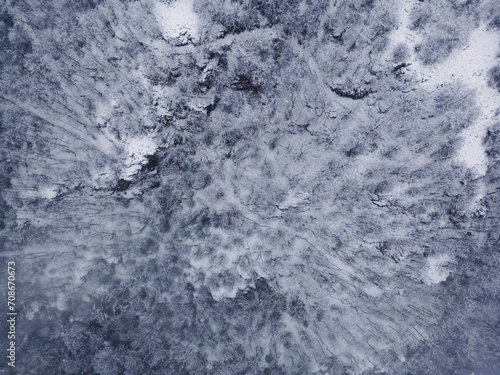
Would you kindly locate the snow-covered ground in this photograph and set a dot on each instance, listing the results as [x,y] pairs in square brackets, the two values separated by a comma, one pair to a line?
[469,65]
[437,269]
[177,20]
[137,150]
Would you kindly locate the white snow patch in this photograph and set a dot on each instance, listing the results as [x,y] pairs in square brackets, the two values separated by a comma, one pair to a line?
[45,192]
[177,20]
[200,104]
[468,65]
[403,34]
[48,192]
[137,149]
[293,200]
[372,290]
[60,302]
[103,112]
[224,293]
[436,271]
[302,7]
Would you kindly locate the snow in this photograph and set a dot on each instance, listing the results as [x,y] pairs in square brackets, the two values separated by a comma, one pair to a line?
[103,111]
[403,34]
[177,20]
[468,65]
[137,149]
[436,270]
[294,199]
[45,192]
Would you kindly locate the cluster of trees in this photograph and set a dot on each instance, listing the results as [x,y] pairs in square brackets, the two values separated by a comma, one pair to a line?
[300,195]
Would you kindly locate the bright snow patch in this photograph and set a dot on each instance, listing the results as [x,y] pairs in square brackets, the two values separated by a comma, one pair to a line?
[45,192]
[469,65]
[177,20]
[436,270]
[137,151]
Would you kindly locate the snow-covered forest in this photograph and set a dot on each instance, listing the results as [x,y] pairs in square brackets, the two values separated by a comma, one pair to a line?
[233,187]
